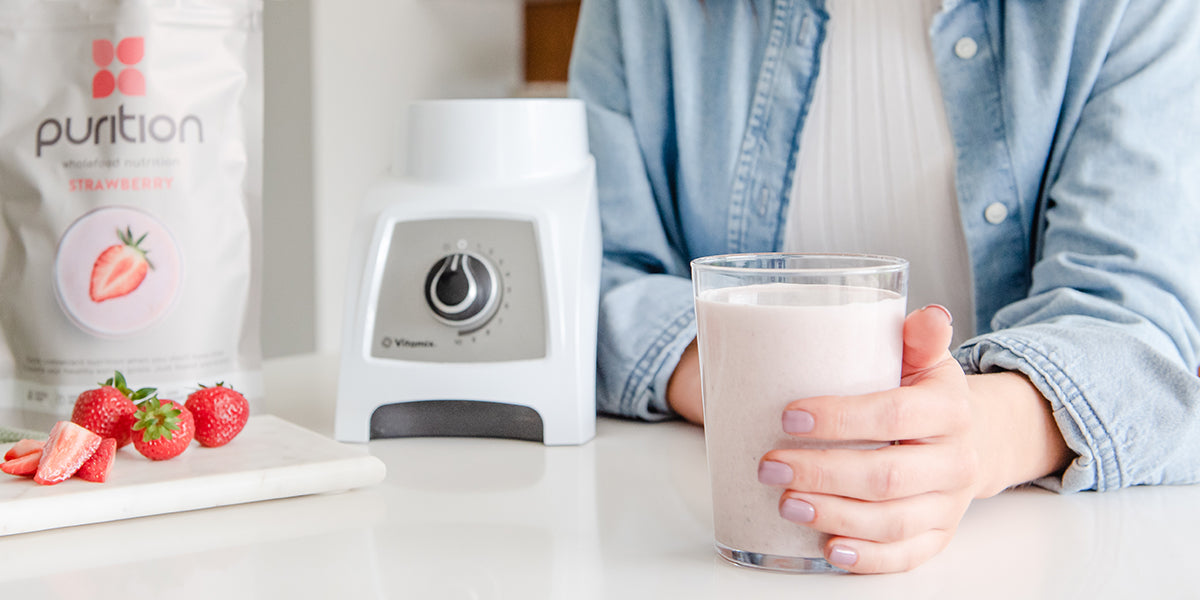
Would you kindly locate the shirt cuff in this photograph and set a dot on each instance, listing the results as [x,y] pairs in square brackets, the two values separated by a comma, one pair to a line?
[1074,416]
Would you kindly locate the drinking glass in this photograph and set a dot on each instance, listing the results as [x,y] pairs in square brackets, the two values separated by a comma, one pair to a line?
[773,328]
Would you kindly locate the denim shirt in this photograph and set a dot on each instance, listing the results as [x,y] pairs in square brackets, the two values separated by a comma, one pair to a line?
[1077,132]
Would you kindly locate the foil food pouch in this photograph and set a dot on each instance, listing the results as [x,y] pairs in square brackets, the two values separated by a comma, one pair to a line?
[130,202]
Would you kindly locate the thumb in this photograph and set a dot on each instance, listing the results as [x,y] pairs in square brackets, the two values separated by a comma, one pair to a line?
[927,334]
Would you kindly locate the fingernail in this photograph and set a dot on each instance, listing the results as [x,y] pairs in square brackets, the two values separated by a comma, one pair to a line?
[797,511]
[946,311]
[774,473]
[798,421]
[842,556]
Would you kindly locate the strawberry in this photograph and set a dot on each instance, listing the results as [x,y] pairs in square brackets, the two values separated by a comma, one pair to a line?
[108,410]
[97,467]
[220,412]
[23,448]
[68,447]
[120,268]
[162,429]
[23,465]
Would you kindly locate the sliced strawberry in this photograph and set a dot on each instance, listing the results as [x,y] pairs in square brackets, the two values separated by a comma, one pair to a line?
[97,467]
[69,446]
[120,268]
[25,465]
[23,448]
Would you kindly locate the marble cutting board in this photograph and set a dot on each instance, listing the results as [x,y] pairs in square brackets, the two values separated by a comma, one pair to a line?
[271,458]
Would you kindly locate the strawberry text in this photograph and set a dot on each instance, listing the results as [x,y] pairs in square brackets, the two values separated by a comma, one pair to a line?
[124,184]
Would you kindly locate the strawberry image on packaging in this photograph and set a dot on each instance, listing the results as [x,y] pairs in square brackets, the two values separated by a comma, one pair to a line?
[111,281]
[120,269]
[130,199]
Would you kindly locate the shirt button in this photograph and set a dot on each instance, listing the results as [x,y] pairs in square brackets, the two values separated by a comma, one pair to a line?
[966,48]
[996,213]
[764,200]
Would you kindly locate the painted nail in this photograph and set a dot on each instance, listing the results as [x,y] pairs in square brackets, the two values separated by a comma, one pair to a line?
[797,511]
[842,556]
[798,421]
[774,473]
[946,311]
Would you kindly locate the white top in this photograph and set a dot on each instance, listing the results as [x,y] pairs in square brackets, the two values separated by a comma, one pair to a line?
[875,172]
[626,516]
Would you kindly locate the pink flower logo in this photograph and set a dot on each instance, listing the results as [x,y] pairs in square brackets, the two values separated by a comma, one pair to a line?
[129,80]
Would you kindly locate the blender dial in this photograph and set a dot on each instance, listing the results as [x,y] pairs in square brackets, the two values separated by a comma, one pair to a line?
[463,291]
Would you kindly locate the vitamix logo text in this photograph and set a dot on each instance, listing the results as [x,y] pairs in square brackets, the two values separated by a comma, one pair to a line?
[122,126]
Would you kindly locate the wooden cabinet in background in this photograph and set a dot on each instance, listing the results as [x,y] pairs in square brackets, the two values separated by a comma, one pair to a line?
[549,31]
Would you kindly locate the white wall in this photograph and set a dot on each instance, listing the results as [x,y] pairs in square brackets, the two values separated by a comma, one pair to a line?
[367,60]
[289,277]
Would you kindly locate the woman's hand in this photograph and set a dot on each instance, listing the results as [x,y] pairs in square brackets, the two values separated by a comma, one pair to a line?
[956,439]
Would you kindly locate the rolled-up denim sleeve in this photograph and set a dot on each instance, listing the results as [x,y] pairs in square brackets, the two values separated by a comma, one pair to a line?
[646,309]
[1109,330]
[646,322]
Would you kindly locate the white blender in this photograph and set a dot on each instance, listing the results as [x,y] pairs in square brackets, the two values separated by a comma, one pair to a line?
[472,300]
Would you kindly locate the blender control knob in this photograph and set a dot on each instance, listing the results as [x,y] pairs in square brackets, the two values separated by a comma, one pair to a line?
[462,290]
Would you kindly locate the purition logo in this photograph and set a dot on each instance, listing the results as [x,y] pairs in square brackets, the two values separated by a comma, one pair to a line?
[129,81]
[121,126]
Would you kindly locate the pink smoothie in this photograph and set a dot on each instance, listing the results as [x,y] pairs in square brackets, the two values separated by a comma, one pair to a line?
[762,346]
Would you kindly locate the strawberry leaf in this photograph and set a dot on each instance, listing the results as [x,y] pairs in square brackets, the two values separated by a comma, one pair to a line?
[118,381]
[143,394]
[156,420]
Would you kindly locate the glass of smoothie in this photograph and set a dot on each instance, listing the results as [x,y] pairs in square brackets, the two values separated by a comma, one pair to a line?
[772,328]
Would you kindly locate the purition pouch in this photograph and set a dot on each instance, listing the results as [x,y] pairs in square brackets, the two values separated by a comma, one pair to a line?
[130,202]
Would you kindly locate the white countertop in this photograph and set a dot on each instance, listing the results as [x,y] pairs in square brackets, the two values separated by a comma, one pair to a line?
[624,516]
